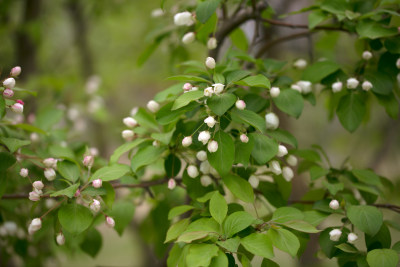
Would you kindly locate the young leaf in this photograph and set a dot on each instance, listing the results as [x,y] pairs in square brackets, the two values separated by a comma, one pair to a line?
[13,144]
[201,254]
[367,176]
[176,229]
[125,148]
[186,98]
[286,214]
[69,191]
[218,207]
[145,156]
[176,211]
[301,226]
[255,81]
[249,117]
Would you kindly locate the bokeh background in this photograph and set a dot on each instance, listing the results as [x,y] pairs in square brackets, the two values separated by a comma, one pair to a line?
[83,57]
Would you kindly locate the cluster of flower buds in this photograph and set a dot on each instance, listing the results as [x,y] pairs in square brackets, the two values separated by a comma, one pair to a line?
[303,87]
[335,235]
[49,171]
[351,83]
[95,205]
[37,191]
[8,92]
[187,87]
[88,161]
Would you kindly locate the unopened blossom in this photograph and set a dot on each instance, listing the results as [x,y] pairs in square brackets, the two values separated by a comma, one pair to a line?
[184,19]
[153,106]
[15,71]
[244,138]
[9,83]
[351,238]
[366,55]
[205,180]
[275,167]
[24,172]
[187,87]
[296,87]
[254,181]
[188,38]
[10,227]
[192,171]
[210,121]
[366,85]
[128,135]
[272,121]
[337,87]
[282,151]
[240,104]
[77,193]
[205,167]
[171,183]
[130,122]
[88,161]
[194,88]
[156,143]
[210,62]
[8,93]
[158,12]
[34,196]
[274,92]
[110,222]
[208,91]
[134,110]
[204,136]
[291,160]
[212,43]
[50,162]
[187,141]
[334,204]
[398,63]
[201,155]
[60,238]
[335,235]
[34,137]
[95,205]
[38,185]
[305,86]
[18,107]
[97,183]
[218,88]
[212,146]
[300,64]
[35,225]
[287,173]
[352,83]
[50,174]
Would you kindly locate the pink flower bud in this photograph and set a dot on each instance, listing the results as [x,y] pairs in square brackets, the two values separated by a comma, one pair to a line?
[244,138]
[50,162]
[187,87]
[95,205]
[24,172]
[171,184]
[17,108]
[38,185]
[8,93]
[334,204]
[34,196]
[60,238]
[240,104]
[187,141]
[15,71]
[88,161]
[130,122]
[9,83]
[110,222]
[128,135]
[77,193]
[50,174]
[97,183]
[35,225]
[153,106]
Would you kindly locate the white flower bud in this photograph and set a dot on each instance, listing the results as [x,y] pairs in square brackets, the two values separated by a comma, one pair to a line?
[171,184]
[212,43]
[254,181]
[110,222]
[205,180]
[156,143]
[300,64]
[34,137]
[50,174]
[60,239]
[210,63]
[296,87]
[187,141]
[187,87]
[282,151]
[10,227]
[274,92]
[212,146]
[97,183]
[188,38]
[34,196]
[275,167]
[351,238]
[352,83]
[153,106]
[130,122]
[208,91]
[50,202]
[337,87]
[50,162]
[95,205]
[244,138]
[35,225]
[201,155]
[272,121]
[9,83]
[184,19]
[240,104]
[134,111]
[128,135]
[158,12]
[194,88]
[335,234]
[8,93]
[15,71]
[287,173]
[334,204]
[218,88]
[210,121]
[38,185]
[205,167]
[366,55]
[291,160]
[17,108]
[94,151]
[305,86]
[24,172]
[204,136]
[366,86]
[88,161]
[398,63]
[192,171]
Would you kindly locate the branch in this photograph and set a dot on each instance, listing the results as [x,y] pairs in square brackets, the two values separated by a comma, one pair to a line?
[302,26]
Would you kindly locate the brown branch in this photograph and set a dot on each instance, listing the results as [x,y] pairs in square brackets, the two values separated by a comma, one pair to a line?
[302,26]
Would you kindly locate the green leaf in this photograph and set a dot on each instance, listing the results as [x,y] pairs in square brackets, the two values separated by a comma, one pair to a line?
[347,248]
[125,148]
[255,81]
[239,187]
[315,18]
[176,230]
[301,226]
[6,160]
[264,149]
[286,214]
[230,244]
[366,218]
[122,213]
[29,128]
[75,218]
[220,261]
[319,70]
[314,217]
[204,224]
[317,172]
[351,111]
[164,138]
[218,207]
[390,104]
[218,78]
[224,157]
[373,30]
[171,91]
[243,151]
[14,144]
[249,117]
[187,78]
[61,152]
[205,10]
[188,237]
[166,116]
[367,176]
[382,258]
[146,119]
[258,244]
[219,104]
[290,101]
[284,240]
[176,211]
[283,136]
[2,107]
[110,173]
[146,156]
[109,197]
[333,188]
[186,98]
[236,222]
[382,83]
[69,170]
[47,117]
[393,45]
[337,7]
[308,154]
[269,263]
[69,191]
[201,254]
[236,75]
[92,242]
[172,165]
[239,39]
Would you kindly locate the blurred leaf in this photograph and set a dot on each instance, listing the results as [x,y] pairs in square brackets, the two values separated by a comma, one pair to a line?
[110,173]
[317,172]
[220,261]
[382,258]
[239,39]
[145,156]
[243,151]
[201,254]
[255,81]
[58,151]
[284,240]
[286,214]
[367,176]
[188,237]
[283,136]
[319,70]
[75,218]
[206,9]
[347,248]
[6,160]
[393,45]
[172,165]
[230,244]
[176,211]
[264,149]
[69,191]
[122,213]
[188,78]
[382,82]
[171,91]
[2,107]
[372,30]
[47,117]
[29,128]
[301,226]
[249,117]
[316,17]
[92,243]
[218,207]
[14,144]
[146,119]
[236,75]
[118,152]
[390,103]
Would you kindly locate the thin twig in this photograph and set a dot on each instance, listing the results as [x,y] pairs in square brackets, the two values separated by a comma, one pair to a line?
[302,26]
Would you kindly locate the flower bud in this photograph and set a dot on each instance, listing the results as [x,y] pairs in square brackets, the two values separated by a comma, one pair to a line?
[296,87]
[34,196]
[210,63]
[218,88]
[128,135]
[188,38]
[201,155]
[287,173]
[212,146]
[10,227]
[205,180]
[274,92]
[97,183]
[334,204]
[254,181]
[366,86]
[187,141]
[60,239]
[192,171]
[240,104]
[77,193]
[153,106]
[187,87]
[156,143]
[204,136]
[291,160]
[398,63]
[352,83]
[212,43]
[88,161]
[35,225]
[134,110]
[275,167]
[300,64]
[282,151]
[337,87]
[34,137]
[208,91]
[158,12]
[17,108]
[205,167]
[8,93]
[351,238]
[305,86]
[130,122]
[210,121]
[110,222]
[95,205]
[38,185]
[50,174]
[50,162]
[9,83]
[171,183]
[15,71]
[195,88]
[244,138]
[272,121]
[335,234]
[24,172]
[184,19]
[366,55]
